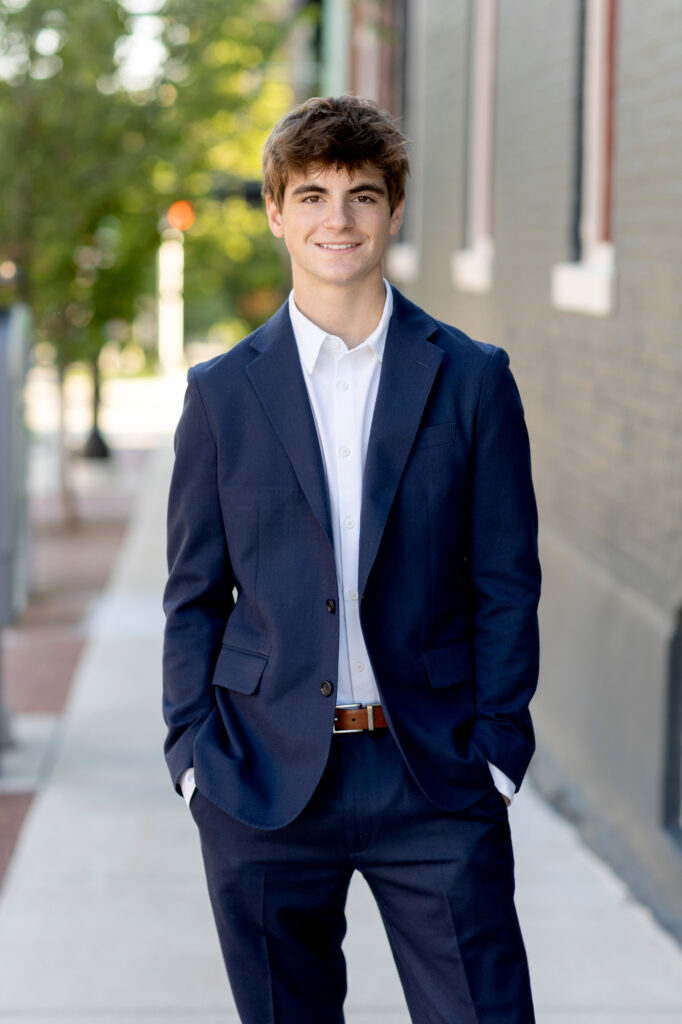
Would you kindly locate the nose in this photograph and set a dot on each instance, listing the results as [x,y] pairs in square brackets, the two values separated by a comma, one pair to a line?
[339,214]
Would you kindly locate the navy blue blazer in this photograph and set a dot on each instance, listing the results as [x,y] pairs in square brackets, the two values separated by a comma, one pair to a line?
[449,578]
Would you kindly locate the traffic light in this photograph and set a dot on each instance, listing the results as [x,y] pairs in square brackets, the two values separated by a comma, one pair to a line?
[180,215]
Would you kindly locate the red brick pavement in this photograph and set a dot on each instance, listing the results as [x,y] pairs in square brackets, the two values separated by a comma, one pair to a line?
[70,567]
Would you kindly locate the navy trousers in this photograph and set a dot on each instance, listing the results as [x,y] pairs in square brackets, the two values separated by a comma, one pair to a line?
[444,884]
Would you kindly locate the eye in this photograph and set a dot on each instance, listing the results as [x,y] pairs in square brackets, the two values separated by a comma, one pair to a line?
[314,198]
[365,198]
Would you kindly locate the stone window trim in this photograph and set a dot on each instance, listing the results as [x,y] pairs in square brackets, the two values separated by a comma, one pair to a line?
[472,266]
[587,284]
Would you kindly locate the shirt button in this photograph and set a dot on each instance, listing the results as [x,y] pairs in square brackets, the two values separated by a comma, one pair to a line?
[342,385]
[359,667]
[331,606]
[326,689]
[353,595]
[335,344]
[345,451]
[349,523]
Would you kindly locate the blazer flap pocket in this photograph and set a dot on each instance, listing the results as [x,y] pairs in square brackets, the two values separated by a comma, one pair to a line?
[239,670]
[447,666]
[441,433]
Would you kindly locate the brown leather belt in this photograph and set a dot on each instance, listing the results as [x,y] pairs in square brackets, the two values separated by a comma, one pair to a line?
[356,718]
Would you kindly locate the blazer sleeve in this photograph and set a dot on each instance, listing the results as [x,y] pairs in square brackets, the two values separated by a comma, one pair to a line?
[198,595]
[505,573]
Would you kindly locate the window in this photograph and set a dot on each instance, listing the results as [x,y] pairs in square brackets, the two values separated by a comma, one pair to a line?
[377,52]
[365,47]
[472,266]
[388,65]
[587,283]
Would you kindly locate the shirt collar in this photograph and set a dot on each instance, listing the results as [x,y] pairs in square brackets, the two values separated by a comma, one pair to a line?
[310,338]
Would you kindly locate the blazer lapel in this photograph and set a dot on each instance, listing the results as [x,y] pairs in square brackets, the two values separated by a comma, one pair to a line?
[277,378]
[409,368]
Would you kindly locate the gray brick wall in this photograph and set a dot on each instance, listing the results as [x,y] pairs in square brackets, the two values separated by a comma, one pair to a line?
[603,396]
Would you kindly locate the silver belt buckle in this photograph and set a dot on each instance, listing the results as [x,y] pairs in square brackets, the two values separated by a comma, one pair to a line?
[370,716]
[348,707]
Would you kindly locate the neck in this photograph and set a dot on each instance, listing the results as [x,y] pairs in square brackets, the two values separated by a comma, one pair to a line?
[349,313]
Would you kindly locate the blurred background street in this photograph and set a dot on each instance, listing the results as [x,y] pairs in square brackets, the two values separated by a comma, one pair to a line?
[544,215]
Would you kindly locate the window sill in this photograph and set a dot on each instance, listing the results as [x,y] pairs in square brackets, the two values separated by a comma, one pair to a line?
[587,287]
[472,269]
[402,263]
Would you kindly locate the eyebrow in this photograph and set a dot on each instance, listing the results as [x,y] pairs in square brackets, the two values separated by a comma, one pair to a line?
[362,187]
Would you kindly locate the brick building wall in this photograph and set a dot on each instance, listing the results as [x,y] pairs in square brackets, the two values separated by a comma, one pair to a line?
[603,395]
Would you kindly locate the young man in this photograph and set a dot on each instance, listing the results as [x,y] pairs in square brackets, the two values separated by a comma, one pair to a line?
[351,641]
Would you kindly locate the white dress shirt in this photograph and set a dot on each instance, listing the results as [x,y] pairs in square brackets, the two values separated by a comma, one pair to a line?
[342,386]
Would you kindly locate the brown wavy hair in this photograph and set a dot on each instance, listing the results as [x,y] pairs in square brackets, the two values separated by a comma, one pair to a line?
[344,132]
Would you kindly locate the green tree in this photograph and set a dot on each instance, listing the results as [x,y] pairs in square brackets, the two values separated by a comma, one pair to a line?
[224,89]
[110,110]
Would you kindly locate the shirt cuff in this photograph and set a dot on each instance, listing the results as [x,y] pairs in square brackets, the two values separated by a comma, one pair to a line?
[187,784]
[502,783]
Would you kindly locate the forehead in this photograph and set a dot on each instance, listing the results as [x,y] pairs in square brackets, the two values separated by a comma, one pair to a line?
[336,178]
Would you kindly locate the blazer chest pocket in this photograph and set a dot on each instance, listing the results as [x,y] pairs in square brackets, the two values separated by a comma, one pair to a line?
[239,670]
[449,666]
[429,437]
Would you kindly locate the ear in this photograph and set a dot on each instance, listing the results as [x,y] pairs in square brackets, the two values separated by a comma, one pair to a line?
[397,218]
[274,217]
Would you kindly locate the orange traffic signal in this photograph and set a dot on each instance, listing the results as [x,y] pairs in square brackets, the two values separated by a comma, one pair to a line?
[181,215]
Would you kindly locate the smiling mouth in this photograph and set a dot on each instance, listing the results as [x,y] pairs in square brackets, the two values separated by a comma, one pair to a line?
[338,247]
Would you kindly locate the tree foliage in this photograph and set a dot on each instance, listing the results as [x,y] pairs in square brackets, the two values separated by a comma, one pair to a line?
[109,111]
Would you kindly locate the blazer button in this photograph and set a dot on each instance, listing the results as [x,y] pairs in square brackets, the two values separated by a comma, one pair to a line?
[326,689]
[331,606]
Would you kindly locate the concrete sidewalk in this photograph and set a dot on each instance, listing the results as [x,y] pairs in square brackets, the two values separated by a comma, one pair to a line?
[104,917]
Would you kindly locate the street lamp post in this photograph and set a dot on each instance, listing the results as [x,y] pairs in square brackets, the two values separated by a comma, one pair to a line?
[171,271]
[171,265]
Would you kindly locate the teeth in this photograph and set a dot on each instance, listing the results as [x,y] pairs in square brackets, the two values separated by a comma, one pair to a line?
[349,245]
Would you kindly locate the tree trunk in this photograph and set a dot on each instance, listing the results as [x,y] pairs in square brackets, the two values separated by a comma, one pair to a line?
[66,492]
[96,447]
